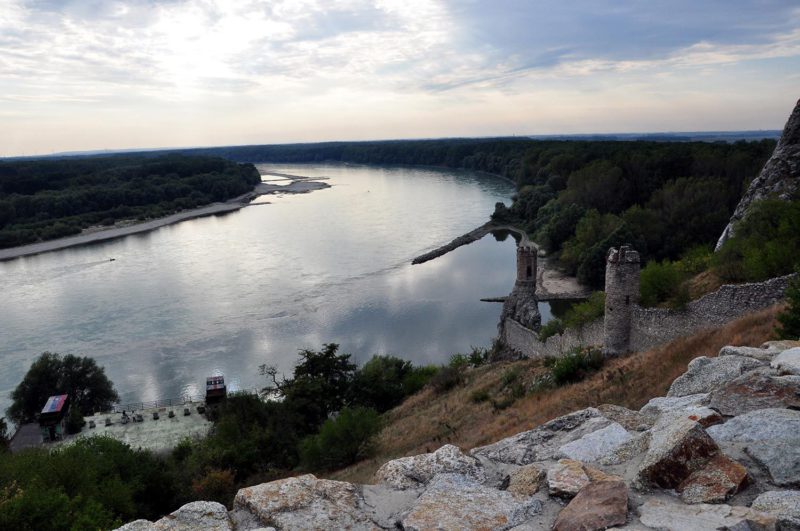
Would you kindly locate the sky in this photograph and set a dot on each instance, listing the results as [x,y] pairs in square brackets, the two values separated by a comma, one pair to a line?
[106,74]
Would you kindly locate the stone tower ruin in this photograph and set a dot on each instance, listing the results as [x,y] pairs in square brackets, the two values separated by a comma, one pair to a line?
[526,266]
[622,294]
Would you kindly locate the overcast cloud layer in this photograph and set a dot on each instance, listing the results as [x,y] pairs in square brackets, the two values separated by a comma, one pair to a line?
[146,73]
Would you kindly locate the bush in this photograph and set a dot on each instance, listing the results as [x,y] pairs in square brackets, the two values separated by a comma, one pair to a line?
[587,311]
[341,441]
[789,319]
[458,361]
[481,395]
[551,328]
[445,379]
[75,420]
[576,365]
[418,378]
[216,485]
[659,282]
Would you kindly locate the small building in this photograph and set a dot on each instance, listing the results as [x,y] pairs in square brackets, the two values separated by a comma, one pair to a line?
[215,390]
[53,418]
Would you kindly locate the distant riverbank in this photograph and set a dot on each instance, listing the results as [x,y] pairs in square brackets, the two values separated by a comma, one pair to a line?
[297,185]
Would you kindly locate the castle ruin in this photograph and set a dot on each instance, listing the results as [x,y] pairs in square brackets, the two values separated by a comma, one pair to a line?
[522,305]
[622,295]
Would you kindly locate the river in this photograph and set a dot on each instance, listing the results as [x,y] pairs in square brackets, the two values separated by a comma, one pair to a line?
[225,294]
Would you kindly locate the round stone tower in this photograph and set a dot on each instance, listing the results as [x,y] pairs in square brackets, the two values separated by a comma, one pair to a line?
[526,266]
[622,293]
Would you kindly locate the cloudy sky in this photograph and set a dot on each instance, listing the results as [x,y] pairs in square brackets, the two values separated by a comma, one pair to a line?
[106,74]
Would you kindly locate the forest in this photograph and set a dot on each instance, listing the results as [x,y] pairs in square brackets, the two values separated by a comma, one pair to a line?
[43,199]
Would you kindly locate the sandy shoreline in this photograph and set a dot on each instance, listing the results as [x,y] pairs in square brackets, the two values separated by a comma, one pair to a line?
[92,234]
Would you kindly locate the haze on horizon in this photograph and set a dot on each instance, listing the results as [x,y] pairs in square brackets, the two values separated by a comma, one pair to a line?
[97,74]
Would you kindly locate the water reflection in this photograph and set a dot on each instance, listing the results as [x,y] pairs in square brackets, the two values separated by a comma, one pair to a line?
[229,293]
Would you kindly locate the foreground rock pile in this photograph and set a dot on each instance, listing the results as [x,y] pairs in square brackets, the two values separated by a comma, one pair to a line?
[720,451]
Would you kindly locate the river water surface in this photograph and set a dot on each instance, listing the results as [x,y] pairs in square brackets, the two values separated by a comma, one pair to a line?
[225,294]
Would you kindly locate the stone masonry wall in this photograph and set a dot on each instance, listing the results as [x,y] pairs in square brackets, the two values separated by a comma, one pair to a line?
[651,327]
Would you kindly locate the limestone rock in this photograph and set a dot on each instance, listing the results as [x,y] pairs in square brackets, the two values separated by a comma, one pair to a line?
[526,480]
[779,178]
[675,516]
[454,501]
[719,479]
[522,306]
[629,419]
[637,445]
[784,504]
[418,470]
[304,502]
[677,449]
[543,442]
[781,344]
[597,444]
[771,437]
[761,354]
[706,374]
[566,478]
[758,389]
[597,506]
[788,361]
[662,404]
[138,525]
[197,515]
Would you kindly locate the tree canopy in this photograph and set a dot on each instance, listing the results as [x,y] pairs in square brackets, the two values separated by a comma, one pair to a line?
[51,374]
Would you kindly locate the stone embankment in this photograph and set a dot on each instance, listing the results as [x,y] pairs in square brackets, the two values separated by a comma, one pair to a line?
[720,451]
[472,236]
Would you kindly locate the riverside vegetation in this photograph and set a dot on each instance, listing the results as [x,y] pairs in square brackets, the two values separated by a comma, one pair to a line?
[45,199]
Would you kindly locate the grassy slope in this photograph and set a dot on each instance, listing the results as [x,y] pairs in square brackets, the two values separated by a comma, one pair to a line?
[427,421]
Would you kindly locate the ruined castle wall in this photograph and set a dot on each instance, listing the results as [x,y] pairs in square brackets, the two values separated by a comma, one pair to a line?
[651,327]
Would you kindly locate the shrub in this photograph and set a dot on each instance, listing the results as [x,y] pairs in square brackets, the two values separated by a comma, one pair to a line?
[458,361]
[576,365]
[551,328]
[659,281]
[341,441]
[587,311]
[789,319]
[445,379]
[215,485]
[481,395]
[478,356]
[418,378]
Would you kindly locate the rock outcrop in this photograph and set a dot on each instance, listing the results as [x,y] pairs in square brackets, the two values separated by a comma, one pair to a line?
[723,452]
[780,177]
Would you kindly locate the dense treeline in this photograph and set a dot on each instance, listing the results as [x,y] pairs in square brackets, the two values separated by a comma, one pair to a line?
[44,199]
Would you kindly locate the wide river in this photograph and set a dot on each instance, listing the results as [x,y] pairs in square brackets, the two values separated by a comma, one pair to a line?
[225,294]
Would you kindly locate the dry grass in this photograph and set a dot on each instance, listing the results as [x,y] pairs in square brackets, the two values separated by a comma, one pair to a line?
[704,283]
[426,421]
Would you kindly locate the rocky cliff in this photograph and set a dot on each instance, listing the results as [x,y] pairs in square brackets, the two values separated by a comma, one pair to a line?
[779,178]
[720,451]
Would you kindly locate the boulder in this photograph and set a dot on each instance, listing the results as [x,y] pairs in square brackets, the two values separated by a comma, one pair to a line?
[138,525]
[526,480]
[719,479]
[629,419]
[761,354]
[677,449]
[771,437]
[662,404]
[706,374]
[195,515]
[597,506]
[418,470]
[675,516]
[542,443]
[303,502]
[781,344]
[566,478]
[597,444]
[758,389]
[788,361]
[454,501]
[784,504]
[637,445]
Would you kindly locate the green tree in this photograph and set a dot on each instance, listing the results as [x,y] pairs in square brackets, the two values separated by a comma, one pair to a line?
[342,440]
[789,319]
[81,378]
